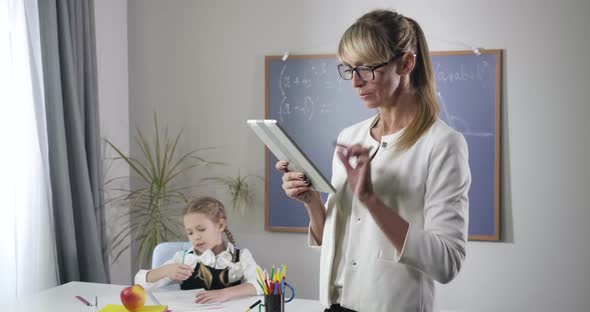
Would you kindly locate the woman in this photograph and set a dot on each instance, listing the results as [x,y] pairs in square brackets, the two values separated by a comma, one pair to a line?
[398,221]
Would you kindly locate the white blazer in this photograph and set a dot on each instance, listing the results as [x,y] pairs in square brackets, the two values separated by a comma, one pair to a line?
[427,186]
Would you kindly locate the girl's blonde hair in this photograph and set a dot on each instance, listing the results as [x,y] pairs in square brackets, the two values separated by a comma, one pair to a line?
[215,211]
[381,36]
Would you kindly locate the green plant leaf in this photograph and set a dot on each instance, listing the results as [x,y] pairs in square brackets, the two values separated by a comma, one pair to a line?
[129,162]
[157,146]
[146,149]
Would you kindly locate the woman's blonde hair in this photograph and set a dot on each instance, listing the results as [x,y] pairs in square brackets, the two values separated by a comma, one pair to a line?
[215,211]
[380,36]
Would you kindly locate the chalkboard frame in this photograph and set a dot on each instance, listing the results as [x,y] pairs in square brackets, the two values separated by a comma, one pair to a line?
[497,144]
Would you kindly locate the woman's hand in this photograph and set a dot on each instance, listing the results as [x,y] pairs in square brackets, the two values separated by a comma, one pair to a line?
[179,272]
[210,296]
[359,177]
[296,185]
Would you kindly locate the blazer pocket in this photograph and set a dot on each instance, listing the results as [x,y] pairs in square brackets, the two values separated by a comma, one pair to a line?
[387,256]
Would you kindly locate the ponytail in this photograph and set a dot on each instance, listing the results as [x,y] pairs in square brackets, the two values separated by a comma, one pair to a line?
[422,80]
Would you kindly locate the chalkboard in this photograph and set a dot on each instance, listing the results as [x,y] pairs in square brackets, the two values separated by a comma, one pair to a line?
[313,104]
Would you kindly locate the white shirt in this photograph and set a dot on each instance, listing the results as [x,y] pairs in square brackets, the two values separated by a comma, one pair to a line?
[427,186]
[244,270]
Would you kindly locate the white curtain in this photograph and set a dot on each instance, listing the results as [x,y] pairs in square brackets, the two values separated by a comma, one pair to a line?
[28,260]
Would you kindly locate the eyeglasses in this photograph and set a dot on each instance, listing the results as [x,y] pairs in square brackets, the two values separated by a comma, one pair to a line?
[365,73]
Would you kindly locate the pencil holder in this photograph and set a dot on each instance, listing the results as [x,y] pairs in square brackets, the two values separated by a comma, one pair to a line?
[276,302]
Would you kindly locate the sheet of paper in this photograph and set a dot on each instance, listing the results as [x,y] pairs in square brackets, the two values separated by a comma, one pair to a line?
[184,301]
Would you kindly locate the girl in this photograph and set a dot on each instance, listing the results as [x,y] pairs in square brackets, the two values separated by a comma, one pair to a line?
[213,264]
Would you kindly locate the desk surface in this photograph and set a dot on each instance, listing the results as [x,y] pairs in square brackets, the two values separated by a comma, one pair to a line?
[61,298]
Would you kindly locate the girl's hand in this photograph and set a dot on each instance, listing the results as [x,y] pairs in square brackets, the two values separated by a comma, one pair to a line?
[179,272]
[359,177]
[210,296]
[296,185]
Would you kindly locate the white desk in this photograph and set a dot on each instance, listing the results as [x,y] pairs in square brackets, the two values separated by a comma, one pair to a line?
[62,299]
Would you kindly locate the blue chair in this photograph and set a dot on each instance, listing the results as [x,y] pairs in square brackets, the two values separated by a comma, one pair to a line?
[166,250]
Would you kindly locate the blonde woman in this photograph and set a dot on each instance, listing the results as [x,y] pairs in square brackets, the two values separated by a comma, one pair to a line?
[398,221]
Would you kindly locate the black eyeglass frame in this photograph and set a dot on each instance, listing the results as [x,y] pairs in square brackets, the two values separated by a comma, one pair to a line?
[363,67]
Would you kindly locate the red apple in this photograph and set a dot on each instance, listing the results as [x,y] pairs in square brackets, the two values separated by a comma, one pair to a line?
[133,297]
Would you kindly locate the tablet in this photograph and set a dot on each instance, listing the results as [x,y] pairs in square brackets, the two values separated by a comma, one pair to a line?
[284,148]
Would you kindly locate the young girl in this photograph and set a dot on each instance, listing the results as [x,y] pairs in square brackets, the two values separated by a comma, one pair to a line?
[213,264]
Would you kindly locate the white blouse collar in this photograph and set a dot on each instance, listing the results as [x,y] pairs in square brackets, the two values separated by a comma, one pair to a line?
[387,140]
[208,258]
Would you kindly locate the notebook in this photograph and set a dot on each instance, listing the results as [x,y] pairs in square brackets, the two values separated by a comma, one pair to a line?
[182,300]
[121,308]
[284,148]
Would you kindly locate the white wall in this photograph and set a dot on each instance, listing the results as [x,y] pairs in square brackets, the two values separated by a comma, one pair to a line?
[199,65]
[113,94]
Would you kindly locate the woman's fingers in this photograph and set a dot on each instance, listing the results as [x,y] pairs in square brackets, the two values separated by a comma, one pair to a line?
[293,176]
[282,165]
[358,151]
[295,192]
[345,161]
[295,188]
[287,185]
[295,184]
